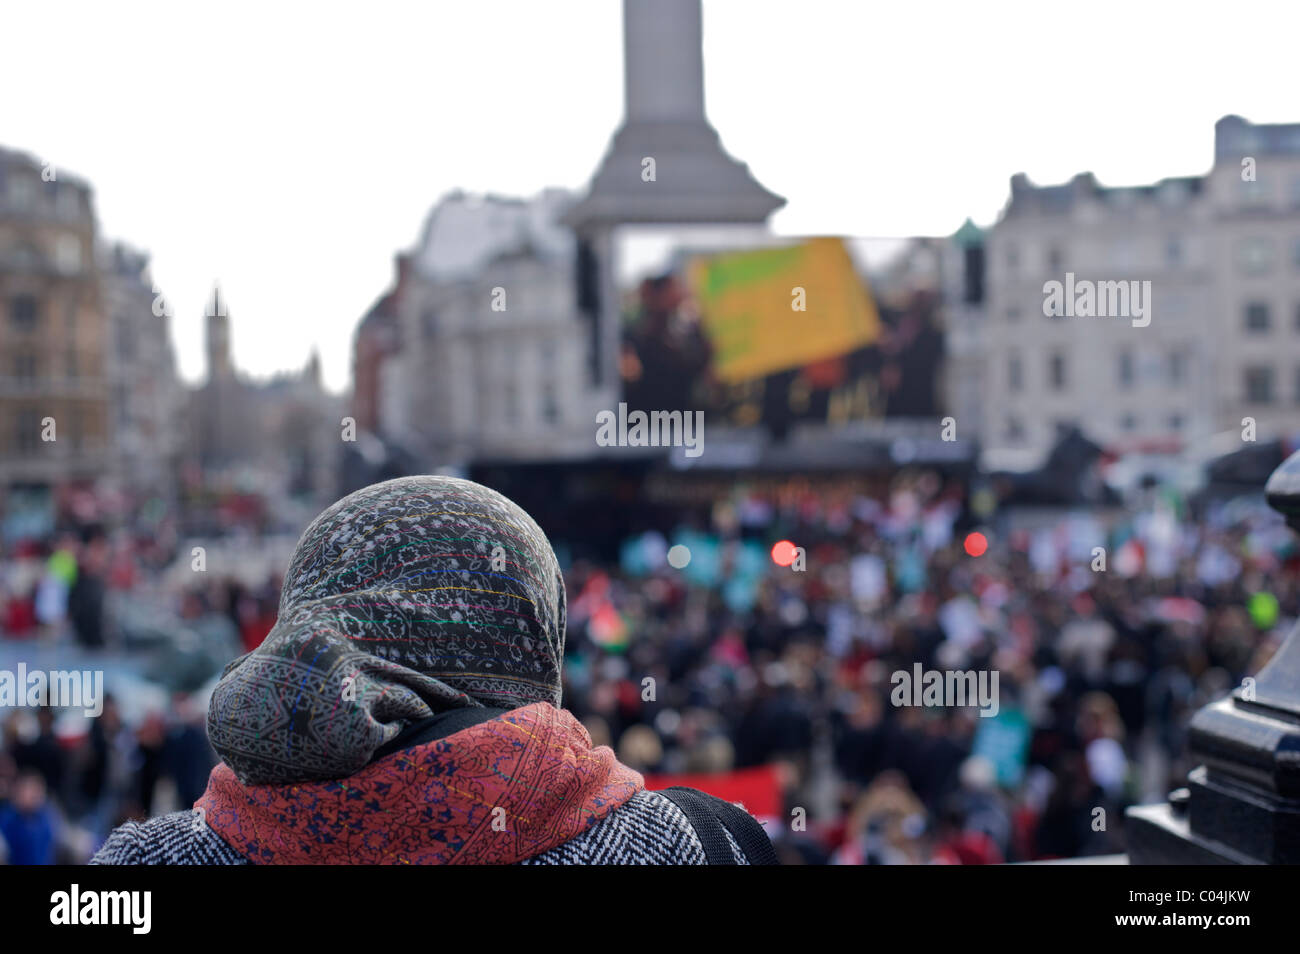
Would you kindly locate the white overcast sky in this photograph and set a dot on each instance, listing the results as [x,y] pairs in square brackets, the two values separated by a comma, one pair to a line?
[289,150]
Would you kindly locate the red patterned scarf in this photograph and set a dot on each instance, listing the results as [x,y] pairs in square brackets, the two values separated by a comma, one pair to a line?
[495,793]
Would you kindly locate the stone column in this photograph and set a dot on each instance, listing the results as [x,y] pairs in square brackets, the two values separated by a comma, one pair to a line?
[695,181]
[663,61]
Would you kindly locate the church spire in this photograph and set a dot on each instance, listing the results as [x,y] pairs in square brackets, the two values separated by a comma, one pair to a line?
[217,322]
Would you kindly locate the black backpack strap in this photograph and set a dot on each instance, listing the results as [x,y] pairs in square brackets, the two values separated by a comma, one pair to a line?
[708,816]
[707,827]
[744,827]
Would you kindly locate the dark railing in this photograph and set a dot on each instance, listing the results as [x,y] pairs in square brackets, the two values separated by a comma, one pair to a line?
[1242,801]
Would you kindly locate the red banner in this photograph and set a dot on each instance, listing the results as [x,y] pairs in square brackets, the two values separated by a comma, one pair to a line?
[758,789]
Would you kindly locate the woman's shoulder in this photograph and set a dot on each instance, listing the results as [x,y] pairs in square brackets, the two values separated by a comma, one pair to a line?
[647,829]
[179,838]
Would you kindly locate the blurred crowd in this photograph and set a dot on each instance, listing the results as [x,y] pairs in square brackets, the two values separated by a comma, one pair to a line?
[91,600]
[698,653]
[1107,632]
[61,793]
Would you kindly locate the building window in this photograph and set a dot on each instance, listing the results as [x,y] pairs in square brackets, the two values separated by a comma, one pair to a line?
[122,400]
[125,340]
[1123,254]
[1015,374]
[23,312]
[1257,319]
[27,436]
[1177,367]
[1013,259]
[1297,385]
[1259,385]
[1172,194]
[67,254]
[550,406]
[1128,423]
[25,366]
[550,400]
[26,257]
[1295,254]
[76,426]
[973,275]
[1176,422]
[1253,193]
[1055,260]
[1255,256]
[1126,372]
[1173,251]
[68,203]
[1015,430]
[22,192]
[1295,192]
[1056,372]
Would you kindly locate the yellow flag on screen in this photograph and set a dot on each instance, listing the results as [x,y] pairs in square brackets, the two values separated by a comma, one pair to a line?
[772,309]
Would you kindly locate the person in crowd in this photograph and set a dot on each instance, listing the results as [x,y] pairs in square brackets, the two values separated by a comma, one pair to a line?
[28,824]
[187,759]
[109,777]
[87,594]
[664,357]
[41,754]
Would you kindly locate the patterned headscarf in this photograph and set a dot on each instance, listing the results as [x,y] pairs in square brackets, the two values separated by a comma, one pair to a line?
[402,600]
